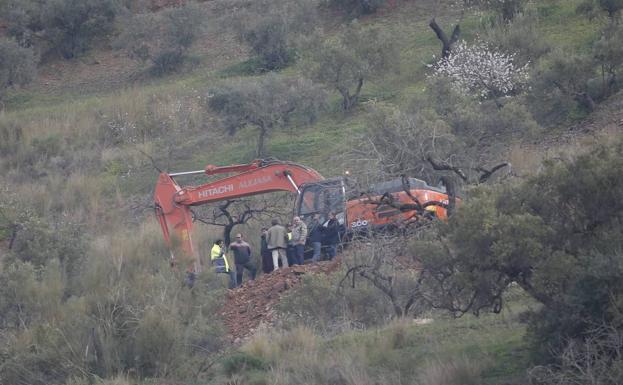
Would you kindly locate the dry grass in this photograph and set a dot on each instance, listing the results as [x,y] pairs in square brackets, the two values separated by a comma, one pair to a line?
[301,357]
[462,371]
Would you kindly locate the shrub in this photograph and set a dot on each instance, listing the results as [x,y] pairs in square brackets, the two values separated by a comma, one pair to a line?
[125,312]
[17,65]
[354,8]
[241,361]
[319,303]
[506,9]
[11,137]
[268,39]
[453,372]
[163,38]
[272,30]
[72,25]
[608,54]
[561,84]
[521,36]
[559,249]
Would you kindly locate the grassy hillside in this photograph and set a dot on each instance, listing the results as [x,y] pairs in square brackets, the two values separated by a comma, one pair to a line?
[78,150]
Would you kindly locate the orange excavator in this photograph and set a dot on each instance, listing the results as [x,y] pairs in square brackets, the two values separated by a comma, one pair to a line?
[387,204]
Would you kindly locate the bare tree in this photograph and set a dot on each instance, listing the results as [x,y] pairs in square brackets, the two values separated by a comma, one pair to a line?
[231,213]
[596,360]
[447,42]
[386,265]
[410,145]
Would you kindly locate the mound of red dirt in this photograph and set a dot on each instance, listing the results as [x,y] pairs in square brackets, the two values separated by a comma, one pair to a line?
[251,304]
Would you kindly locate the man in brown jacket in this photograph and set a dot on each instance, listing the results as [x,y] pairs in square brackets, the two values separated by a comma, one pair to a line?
[276,240]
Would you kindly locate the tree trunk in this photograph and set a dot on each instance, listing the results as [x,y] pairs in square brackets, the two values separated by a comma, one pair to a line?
[445,41]
[585,100]
[350,100]
[260,142]
[347,100]
[451,191]
[227,233]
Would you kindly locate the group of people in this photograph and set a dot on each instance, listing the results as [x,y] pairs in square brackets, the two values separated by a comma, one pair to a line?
[280,246]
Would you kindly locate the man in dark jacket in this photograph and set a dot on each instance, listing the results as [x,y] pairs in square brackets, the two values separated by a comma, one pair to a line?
[315,237]
[242,258]
[267,255]
[332,235]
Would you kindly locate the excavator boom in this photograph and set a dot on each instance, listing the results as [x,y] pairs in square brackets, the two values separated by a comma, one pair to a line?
[173,202]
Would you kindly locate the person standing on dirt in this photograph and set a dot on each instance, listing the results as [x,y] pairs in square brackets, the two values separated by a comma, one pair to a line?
[219,261]
[242,258]
[290,245]
[277,240]
[315,237]
[332,235]
[299,236]
[267,259]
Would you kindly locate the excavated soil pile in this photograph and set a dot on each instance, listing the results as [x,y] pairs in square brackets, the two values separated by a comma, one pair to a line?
[252,304]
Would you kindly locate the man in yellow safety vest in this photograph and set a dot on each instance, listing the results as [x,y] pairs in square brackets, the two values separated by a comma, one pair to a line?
[219,261]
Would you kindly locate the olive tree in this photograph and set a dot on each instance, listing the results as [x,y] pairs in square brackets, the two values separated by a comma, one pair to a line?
[556,235]
[561,81]
[162,38]
[267,104]
[67,27]
[592,7]
[347,60]
[271,29]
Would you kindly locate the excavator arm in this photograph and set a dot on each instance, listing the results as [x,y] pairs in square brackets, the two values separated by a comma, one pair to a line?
[173,202]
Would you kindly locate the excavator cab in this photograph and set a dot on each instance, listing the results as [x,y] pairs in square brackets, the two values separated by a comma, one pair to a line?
[321,198]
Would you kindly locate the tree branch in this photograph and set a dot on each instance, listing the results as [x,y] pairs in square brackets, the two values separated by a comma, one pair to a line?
[444,166]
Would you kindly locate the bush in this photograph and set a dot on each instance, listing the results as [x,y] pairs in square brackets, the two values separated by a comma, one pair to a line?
[506,9]
[268,39]
[72,25]
[272,30]
[561,85]
[126,312]
[552,235]
[319,303]
[11,136]
[17,65]
[163,38]
[356,8]
[167,62]
[454,372]
[521,36]
[240,361]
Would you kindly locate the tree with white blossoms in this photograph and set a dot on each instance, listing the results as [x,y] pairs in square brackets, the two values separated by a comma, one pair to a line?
[479,69]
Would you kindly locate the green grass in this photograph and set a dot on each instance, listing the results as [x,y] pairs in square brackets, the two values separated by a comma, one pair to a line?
[494,343]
